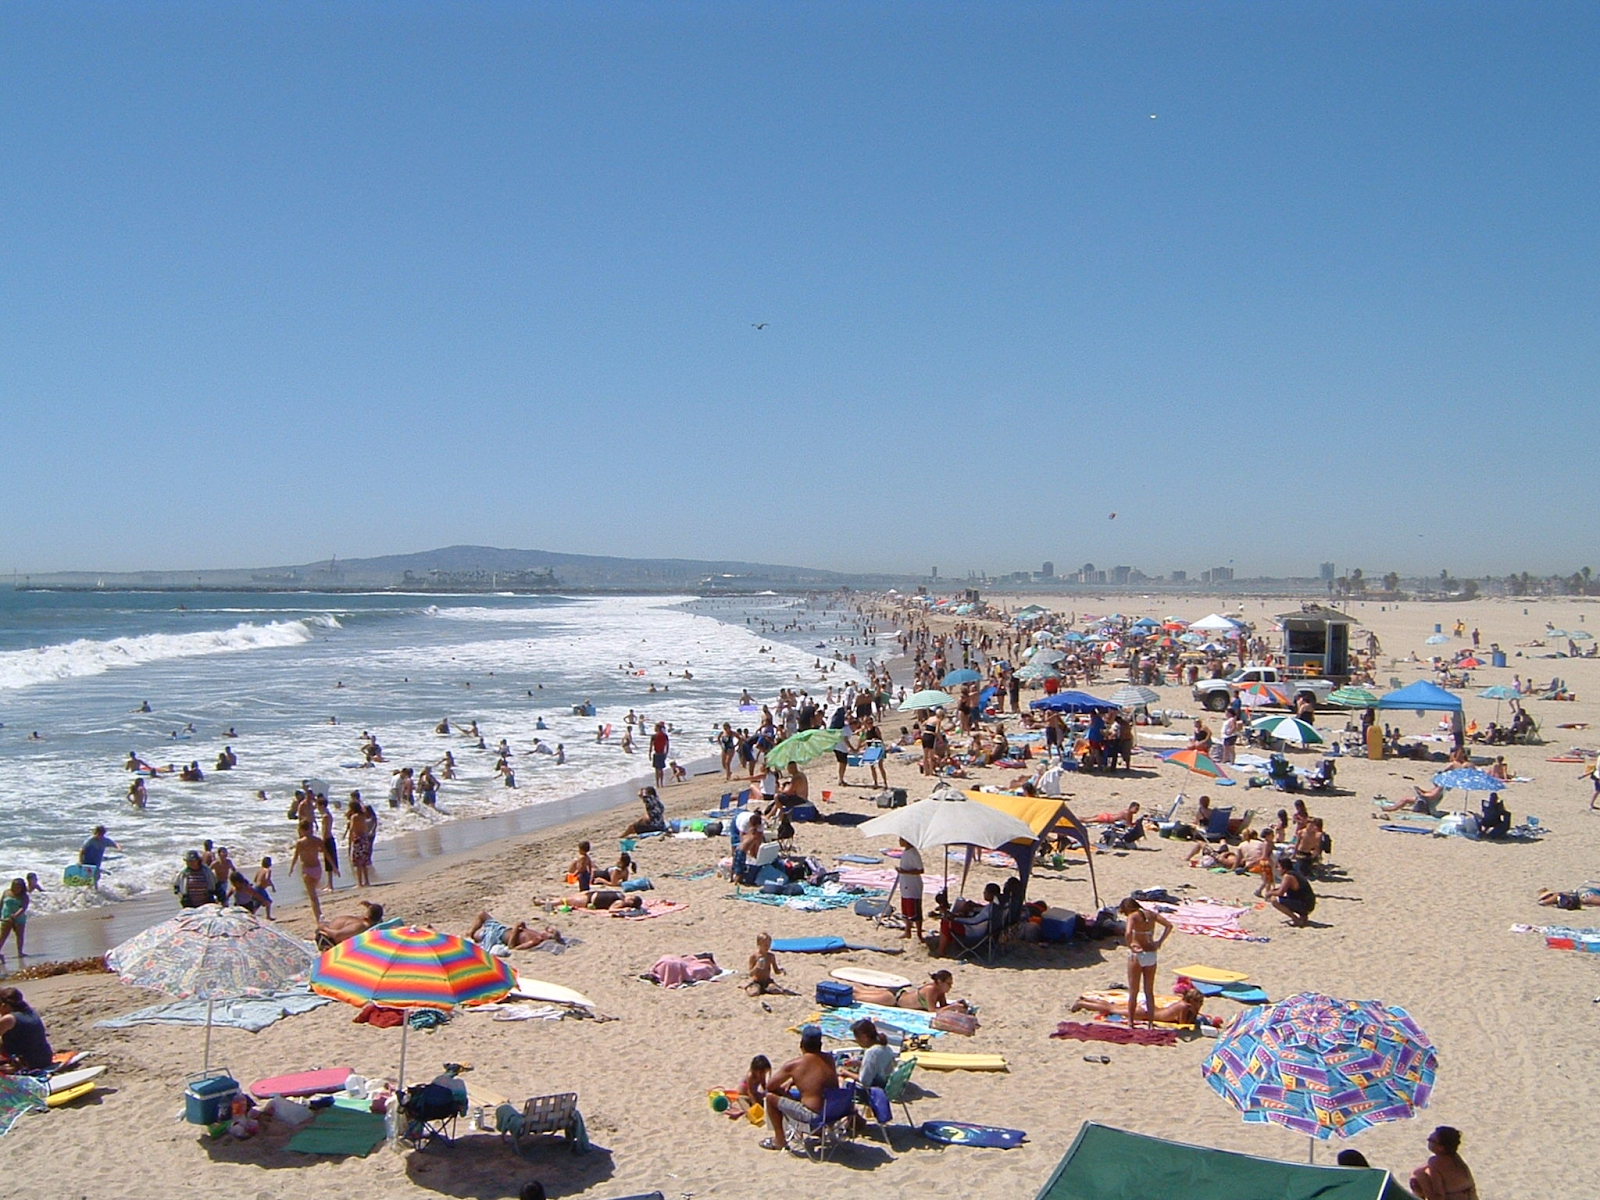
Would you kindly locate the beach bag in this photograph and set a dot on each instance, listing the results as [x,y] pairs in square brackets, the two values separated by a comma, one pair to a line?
[951,1021]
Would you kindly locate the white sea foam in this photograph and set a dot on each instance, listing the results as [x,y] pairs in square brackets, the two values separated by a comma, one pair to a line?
[73,660]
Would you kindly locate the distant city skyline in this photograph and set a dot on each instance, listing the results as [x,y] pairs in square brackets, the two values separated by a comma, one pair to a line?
[856,286]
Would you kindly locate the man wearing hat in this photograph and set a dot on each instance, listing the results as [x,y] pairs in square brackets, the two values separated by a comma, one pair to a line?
[812,1074]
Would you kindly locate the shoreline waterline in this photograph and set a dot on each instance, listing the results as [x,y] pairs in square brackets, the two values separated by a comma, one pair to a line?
[85,933]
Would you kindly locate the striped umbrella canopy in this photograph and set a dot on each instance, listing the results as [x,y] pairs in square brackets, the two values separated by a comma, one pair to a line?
[1135,696]
[927,699]
[1323,1067]
[804,746]
[1352,697]
[1258,695]
[1469,662]
[1498,691]
[1038,671]
[1198,762]
[410,967]
[212,953]
[1288,729]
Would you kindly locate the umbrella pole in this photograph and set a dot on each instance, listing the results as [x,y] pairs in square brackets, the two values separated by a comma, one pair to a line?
[400,1084]
[1311,1150]
[205,1067]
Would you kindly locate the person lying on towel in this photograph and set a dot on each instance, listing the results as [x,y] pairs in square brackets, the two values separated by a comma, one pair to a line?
[1185,1010]
[490,934]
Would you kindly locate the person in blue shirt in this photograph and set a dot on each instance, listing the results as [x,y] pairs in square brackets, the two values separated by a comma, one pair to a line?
[22,1036]
[94,852]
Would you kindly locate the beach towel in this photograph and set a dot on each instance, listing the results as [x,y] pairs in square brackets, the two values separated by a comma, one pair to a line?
[879,879]
[655,908]
[1120,1034]
[676,971]
[1406,828]
[811,899]
[250,1015]
[826,945]
[1211,920]
[835,1022]
[337,1130]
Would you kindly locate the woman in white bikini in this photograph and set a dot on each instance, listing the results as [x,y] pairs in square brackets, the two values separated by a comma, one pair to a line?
[1143,942]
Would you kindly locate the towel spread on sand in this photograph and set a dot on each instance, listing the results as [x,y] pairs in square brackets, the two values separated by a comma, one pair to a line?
[879,878]
[811,899]
[678,970]
[656,908]
[1211,920]
[835,1022]
[250,1015]
[1121,1034]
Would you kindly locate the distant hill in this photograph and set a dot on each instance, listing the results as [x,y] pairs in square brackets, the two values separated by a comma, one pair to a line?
[455,568]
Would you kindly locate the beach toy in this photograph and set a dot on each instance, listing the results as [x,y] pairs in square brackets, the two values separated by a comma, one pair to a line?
[719,1100]
[959,1133]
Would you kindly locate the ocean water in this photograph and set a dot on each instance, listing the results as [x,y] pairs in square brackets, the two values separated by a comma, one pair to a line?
[300,676]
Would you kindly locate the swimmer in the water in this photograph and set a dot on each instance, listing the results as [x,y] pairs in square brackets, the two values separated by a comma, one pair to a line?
[135,763]
[144,707]
[136,793]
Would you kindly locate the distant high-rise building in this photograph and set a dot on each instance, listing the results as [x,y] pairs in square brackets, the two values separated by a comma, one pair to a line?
[936,572]
[1325,572]
[1180,577]
[1049,570]
[1120,574]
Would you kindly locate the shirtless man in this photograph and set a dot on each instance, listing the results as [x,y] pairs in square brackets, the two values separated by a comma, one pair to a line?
[341,929]
[489,933]
[813,1073]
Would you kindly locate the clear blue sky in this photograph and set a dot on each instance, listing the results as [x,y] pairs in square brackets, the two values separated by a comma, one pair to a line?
[279,281]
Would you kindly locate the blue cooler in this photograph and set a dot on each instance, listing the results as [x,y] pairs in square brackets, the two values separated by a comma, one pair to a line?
[208,1099]
[833,994]
[1058,925]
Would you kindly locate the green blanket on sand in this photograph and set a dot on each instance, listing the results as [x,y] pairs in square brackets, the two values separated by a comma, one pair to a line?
[339,1130]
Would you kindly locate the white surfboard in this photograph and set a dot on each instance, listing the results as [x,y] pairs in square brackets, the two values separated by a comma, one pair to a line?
[63,1080]
[550,993]
[866,978]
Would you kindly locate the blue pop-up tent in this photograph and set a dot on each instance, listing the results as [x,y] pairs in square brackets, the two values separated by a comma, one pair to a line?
[1421,697]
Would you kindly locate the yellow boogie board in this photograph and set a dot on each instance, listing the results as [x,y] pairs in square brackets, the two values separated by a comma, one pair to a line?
[68,1095]
[1211,974]
[931,1060]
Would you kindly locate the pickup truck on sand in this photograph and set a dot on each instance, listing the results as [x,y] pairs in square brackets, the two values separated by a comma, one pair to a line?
[1217,694]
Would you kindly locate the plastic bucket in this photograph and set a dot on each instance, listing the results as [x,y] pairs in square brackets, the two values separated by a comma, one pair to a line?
[627,845]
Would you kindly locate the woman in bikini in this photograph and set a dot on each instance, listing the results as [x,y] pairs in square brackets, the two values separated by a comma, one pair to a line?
[306,857]
[1444,1176]
[1185,1010]
[930,997]
[1143,942]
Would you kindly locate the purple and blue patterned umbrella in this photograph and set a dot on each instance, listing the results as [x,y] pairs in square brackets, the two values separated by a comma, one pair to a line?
[1324,1067]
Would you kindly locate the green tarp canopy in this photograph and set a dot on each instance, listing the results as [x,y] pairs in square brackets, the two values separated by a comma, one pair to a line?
[1111,1164]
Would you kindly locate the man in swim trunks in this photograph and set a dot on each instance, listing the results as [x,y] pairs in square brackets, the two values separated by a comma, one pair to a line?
[342,929]
[812,1074]
[489,933]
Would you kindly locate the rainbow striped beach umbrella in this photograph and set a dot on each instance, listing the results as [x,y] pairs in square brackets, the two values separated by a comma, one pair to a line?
[1323,1067]
[410,967]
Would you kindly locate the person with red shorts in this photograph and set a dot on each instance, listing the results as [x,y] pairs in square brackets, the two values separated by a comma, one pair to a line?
[910,879]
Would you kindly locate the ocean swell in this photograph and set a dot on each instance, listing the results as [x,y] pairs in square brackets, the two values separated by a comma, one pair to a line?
[73,660]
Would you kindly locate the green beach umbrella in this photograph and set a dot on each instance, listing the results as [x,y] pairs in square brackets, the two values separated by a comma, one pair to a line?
[928,699]
[1288,729]
[804,746]
[1352,697]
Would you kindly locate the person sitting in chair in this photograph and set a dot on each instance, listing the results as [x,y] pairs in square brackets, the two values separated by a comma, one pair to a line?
[812,1074]
[1495,820]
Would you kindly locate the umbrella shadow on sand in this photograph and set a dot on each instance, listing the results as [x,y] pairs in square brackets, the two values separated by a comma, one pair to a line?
[478,1166]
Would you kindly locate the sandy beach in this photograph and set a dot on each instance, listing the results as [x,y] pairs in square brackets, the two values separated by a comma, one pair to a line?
[1419,922]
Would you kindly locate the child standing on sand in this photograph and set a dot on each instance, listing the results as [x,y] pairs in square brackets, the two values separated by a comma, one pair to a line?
[263,883]
[763,966]
[581,869]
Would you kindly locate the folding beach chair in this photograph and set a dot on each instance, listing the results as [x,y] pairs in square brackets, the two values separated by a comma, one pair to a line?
[1217,824]
[834,1125]
[542,1116]
[977,937]
[430,1112]
[894,1092]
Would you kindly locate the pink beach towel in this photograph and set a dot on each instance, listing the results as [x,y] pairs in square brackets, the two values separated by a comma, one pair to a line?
[674,970]
[1210,920]
[1120,1034]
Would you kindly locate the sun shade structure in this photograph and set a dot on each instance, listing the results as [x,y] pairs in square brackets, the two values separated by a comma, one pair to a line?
[804,746]
[1135,696]
[1104,1163]
[1323,1067]
[1198,762]
[1044,815]
[1215,623]
[949,820]
[1422,697]
[1074,702]
[1258,695]
[960,676]
[212,953]
[1352,697]
[1469,779]
[927,699]
[1288,729]
[410,967]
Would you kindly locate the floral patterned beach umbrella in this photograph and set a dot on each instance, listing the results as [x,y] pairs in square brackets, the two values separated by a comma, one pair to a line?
[212,953]
[1323,1067]
[20,1094]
